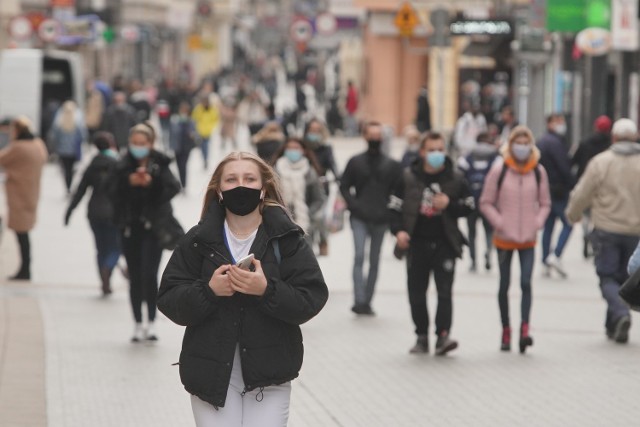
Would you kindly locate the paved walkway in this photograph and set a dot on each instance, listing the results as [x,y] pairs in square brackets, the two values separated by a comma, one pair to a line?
[66,359]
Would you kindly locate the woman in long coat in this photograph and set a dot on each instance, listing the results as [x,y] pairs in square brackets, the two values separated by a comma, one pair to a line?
[22,161]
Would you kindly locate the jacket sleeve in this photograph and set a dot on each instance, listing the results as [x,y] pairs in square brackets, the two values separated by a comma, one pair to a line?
[634,261]
[464,204]
[561,158]
[544,198]
[300,292]
[80,191]
[167,187]
[316,197]
[582,195]
[346,182]
[184,297]
[489,197]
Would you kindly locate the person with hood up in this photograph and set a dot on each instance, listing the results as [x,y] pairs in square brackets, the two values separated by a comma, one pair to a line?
[516,201]
[268,140]
[425,208]
[611,188]
[301,189]
[66,136]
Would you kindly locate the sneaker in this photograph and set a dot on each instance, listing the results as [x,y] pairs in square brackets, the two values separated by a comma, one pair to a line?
[621,331]
[138,333]
[445,344]
[150,333]
[556,264]
[422,345]
[363,309]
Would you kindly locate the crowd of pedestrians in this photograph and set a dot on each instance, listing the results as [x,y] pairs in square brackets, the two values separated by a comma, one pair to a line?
[270,210]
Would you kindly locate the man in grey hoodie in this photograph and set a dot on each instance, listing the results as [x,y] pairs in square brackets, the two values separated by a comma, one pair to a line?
[610,187]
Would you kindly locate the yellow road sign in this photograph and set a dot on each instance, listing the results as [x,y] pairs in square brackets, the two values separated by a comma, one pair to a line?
[406,19]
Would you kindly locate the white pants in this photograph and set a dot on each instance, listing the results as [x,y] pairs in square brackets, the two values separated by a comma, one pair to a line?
[266,408]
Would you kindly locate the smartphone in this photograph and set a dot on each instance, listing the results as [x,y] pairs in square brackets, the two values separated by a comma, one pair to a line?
[246,263]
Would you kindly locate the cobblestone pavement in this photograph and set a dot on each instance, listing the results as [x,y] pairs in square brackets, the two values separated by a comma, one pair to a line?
[65,355]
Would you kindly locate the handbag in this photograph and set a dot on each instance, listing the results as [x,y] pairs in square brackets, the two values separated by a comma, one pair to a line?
[168,231]
[630,291]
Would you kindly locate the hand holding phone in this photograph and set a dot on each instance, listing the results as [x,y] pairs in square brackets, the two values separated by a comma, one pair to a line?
[246,263]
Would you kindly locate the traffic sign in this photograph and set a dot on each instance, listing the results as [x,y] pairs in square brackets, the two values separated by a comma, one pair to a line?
[49,30]
[406,19]
[326,24]
[301,30]
[20,28]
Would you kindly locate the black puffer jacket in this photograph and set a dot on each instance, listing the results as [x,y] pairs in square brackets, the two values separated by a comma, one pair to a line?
[266,328]
[96,176]
[144,204]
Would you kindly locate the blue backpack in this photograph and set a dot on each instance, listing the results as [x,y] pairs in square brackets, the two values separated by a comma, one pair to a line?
[476,173]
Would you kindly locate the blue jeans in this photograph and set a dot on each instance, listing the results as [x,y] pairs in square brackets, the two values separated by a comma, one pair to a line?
[612,252]
[107,237]
[204,147]
[557,212]
[363,289]
[527,257]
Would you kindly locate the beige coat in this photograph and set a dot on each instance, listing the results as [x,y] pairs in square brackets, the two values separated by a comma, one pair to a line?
[23,162]
[611,188]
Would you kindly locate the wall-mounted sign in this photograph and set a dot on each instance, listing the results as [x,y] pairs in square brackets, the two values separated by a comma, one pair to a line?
[20,28]
[624,25]
[301,30]
[481,27]
[594,41]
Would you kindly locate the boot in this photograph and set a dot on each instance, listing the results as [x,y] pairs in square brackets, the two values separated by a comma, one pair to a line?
[444,344]
[525,339]
[105,278]
[505,345]
[25,254]
[324,248]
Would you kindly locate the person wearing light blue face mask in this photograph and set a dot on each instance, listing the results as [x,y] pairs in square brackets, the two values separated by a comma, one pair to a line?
[301,188]
[100,209]
[425,208]
[144,187]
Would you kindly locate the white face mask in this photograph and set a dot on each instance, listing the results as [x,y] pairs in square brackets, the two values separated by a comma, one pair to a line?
[521,152]
[560,129]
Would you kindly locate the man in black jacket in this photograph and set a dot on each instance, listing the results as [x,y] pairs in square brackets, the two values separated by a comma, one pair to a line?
[366,184]
[595,144]
[425,208]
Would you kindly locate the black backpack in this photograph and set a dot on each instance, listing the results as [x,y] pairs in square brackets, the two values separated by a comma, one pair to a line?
[503,172]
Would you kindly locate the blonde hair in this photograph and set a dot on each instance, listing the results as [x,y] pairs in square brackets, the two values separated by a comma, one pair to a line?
[68,116]
[270,181]
[146,129]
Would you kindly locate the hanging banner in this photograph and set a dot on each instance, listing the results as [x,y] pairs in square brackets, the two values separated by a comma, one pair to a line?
[624,25]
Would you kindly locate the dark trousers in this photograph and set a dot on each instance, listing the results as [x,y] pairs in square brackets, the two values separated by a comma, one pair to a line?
[423,258]
[107,238]
[557,212]
[25,253]
[182,158]
[472,221]
[67,164]
[612,252]
[527,257]
[143,254]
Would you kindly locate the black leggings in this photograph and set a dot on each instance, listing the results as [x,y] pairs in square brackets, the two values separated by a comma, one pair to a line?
[67,169]
[143,255]
[25,252]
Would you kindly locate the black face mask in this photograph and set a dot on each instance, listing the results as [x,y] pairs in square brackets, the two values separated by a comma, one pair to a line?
[241,201]
[374,145]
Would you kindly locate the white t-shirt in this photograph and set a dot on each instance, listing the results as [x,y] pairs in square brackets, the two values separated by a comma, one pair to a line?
[239,248]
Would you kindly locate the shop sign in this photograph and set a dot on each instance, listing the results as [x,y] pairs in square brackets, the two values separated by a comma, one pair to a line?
[481,27]
[594,41]
[624,25]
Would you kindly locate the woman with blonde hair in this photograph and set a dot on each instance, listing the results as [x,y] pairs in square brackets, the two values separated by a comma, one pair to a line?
[22,160]
[144,187]
[515,200]
[242,345]
[66,137]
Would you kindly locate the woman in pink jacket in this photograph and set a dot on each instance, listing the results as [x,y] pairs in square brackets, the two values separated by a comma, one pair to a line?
[515,200]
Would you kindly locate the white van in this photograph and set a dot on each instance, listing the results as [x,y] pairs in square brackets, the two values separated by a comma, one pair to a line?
[35,82]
